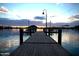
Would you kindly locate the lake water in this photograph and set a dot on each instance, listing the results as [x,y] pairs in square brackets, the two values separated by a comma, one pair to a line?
[9,41]
[70,40]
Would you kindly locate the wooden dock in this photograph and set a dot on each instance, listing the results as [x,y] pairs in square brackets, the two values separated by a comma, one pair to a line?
[40,45]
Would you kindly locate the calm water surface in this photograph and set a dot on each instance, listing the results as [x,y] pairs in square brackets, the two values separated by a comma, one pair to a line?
[9,40]
[70,40]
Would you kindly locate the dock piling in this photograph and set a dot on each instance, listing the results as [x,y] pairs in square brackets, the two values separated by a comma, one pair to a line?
[21,36]
[59,36]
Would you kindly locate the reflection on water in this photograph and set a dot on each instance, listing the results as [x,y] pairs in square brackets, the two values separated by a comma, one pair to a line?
[9,40]
[70,41]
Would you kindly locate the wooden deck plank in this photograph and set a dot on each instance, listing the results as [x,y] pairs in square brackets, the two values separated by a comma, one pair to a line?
[40,45]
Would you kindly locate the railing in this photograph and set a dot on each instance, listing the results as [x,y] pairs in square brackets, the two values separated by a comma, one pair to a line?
[45,30]
[51,30]
[22,32]
[48,30]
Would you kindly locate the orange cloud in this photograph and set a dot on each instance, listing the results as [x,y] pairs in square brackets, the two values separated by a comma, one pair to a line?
[3,9]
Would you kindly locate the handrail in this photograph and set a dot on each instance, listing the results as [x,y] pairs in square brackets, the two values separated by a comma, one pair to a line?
[50,30]
[9,27]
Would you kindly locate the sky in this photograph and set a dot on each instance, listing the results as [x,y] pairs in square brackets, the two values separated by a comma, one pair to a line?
[56,12]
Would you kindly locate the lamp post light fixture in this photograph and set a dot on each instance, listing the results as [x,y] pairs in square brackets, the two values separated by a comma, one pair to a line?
[45,12]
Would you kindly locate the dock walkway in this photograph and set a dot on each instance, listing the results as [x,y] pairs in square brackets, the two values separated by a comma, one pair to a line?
[40,45]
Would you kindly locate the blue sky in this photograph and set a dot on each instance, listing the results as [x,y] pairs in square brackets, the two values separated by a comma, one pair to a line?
[61,12]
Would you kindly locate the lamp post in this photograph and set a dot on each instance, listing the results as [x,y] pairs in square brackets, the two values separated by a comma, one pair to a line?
[45,12]
[50,23]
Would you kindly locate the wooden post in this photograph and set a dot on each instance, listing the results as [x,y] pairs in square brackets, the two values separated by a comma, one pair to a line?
[21,36]
[46,31]
[49,31]
[30,31]
[59,36]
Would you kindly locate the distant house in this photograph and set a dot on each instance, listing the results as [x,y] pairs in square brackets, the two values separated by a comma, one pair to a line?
[32,28]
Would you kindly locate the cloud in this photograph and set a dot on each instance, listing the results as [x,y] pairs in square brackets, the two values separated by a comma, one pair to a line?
[74,17]
[39,17]
[3,9]
[8,14]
